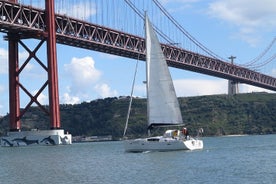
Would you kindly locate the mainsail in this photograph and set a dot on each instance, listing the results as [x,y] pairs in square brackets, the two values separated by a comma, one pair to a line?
[162,104]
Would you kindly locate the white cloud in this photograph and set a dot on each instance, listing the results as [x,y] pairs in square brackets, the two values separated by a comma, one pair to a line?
[105,91]
[83,75]
[67,99]
[140,90]
[23,55]
[244,88]
[3,61]
[191,87]
[251,16]
[85,82]
[82,72]
[42,99]
[29,67]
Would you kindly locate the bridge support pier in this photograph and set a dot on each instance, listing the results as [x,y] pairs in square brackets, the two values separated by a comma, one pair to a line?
[52,65]
[56,135]
[14,84]
[14,71]
[232,85]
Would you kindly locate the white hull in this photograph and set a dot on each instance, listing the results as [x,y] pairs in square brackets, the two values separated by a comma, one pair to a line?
[36,137]
[162,144]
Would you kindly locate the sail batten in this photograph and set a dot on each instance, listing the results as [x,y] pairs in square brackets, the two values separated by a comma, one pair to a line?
[163,106]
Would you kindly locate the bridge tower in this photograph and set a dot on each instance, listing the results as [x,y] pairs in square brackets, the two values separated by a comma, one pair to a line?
[232,85]
[14,71]
[56,134]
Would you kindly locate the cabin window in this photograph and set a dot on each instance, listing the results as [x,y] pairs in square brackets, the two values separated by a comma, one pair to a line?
[153,139]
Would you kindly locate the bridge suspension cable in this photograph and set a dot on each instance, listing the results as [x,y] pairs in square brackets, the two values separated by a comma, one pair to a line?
[185,32]
[252,63]
[176,24]
[269,60]
[140,14]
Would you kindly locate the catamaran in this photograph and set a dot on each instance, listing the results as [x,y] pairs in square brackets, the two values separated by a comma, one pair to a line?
[162,105]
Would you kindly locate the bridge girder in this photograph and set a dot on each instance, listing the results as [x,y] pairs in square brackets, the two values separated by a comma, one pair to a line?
[30,23]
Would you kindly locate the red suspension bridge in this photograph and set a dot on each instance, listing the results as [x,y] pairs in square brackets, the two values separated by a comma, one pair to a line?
[21,22]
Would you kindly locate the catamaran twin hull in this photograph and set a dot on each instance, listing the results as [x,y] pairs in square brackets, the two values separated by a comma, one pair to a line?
[162,144]
[36,137]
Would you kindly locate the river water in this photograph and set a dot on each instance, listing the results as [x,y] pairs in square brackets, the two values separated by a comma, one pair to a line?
[239,159]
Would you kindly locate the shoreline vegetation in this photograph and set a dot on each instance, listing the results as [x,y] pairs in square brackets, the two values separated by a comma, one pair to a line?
[218,115]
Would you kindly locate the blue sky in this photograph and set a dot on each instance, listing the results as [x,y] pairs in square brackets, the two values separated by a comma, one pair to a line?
[243,28]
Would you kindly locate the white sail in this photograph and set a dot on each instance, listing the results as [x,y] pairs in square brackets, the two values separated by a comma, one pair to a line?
[163,106]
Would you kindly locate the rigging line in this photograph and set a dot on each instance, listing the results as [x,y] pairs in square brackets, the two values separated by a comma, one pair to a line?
[262,54]
[138,12]
[185,32]
[131,96]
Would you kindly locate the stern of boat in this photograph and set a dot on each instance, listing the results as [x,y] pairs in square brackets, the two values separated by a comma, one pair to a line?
[193,144]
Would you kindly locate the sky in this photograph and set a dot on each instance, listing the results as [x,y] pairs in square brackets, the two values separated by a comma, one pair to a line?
[243,28]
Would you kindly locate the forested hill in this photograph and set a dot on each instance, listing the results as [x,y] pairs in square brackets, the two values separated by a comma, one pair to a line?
[253,113]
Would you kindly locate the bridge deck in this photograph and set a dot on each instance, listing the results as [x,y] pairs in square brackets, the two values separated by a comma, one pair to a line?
[26,22]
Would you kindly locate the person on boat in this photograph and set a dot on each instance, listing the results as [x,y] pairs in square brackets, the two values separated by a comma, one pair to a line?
[175,133]
[185,132]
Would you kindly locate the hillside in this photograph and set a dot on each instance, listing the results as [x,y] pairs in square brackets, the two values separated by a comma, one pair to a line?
[252,113]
